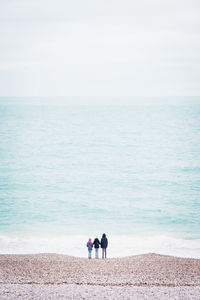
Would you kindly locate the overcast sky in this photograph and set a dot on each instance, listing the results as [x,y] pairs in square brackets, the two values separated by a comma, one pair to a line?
[89,47]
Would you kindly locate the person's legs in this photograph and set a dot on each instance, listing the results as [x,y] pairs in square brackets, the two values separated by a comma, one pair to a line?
[103,252]
[89,254]
[96,252]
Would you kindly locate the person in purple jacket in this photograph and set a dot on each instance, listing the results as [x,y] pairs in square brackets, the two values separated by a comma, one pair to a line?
[90,246]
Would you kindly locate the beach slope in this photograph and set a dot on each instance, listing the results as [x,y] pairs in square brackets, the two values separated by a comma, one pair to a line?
[43,275]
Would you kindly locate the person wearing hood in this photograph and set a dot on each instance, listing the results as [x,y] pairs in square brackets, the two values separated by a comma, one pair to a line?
[89,246]
[96,244]
[104,245]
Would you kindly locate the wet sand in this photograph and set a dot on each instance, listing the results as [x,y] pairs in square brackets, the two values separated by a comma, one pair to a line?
[53,276]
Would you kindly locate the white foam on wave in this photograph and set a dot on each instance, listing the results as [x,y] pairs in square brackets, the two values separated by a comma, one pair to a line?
[119,246]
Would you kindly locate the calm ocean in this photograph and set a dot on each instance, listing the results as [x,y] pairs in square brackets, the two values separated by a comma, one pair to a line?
[69,172]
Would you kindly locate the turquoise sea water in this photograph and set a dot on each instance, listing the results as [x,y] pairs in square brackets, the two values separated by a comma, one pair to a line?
[68,172]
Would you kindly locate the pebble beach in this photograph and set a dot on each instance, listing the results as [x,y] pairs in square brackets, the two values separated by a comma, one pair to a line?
[53,276]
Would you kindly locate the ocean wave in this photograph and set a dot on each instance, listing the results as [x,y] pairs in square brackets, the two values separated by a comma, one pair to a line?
[119,245]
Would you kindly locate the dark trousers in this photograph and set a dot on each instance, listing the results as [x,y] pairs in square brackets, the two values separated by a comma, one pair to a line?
[103,252]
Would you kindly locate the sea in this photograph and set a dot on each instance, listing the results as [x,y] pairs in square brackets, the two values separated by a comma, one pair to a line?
[76,167]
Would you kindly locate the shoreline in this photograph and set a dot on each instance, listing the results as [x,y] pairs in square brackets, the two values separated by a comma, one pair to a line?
[162,244]
[33,275]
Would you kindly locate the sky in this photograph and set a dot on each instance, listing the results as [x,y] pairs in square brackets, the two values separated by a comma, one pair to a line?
[99,48]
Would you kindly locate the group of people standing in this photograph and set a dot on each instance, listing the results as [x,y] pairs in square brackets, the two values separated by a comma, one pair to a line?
[97,244]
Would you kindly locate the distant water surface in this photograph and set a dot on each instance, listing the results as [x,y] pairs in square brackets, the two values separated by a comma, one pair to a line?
[127,170]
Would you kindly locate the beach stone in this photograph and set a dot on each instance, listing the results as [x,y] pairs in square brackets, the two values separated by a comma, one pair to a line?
[65,291]
[52,276]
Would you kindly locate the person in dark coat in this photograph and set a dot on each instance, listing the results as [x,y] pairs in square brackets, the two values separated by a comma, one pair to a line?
[104,245]
[96,244]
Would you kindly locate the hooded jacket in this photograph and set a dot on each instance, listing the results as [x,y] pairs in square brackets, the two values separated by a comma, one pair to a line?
[104,241]
[96,243]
